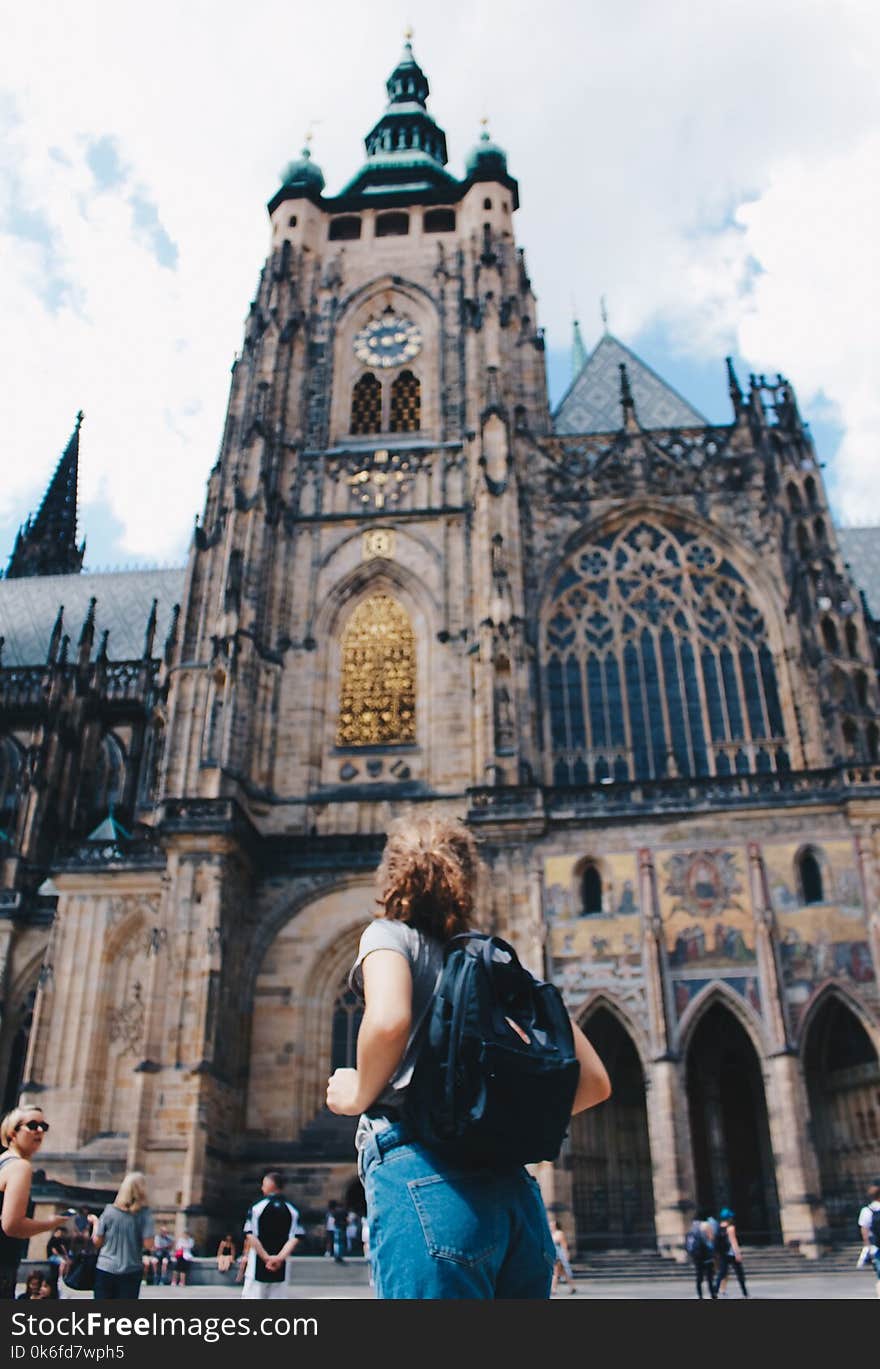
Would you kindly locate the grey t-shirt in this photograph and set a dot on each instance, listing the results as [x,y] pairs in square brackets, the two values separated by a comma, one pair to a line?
[425,956]
[124,1234]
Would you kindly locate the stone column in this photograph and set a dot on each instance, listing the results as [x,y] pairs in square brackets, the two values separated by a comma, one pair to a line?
[866,857]
[801,1212]
[788,1112]
[772,991]
[668,1130]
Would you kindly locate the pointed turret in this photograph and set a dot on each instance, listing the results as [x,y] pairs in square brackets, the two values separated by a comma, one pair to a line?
[734,388]
[46,544]
[578,352]
[627,403]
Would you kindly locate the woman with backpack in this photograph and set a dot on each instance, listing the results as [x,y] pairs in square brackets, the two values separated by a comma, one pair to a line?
[727,1251]
[440,1225]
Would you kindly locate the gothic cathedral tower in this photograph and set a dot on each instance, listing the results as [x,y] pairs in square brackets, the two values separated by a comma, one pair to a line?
[349,643]
[625,645]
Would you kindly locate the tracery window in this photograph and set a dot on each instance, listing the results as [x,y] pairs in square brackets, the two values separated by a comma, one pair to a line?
[366,405]
[406,402]
[377,698]
[656,664]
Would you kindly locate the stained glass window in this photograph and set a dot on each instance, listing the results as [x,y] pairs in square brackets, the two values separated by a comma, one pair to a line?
[366,405]
[405,403]
[656,663]
[377,701]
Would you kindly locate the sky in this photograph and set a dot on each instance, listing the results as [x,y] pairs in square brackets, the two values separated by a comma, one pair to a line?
[710,169]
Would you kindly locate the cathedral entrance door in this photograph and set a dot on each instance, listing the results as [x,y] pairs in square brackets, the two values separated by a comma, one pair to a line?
[610,1153]
[733,1160]
[843,1085]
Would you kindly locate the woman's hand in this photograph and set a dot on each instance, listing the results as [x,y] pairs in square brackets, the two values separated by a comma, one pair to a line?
[343,1093]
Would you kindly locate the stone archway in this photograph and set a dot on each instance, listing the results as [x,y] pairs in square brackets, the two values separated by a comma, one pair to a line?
[730,1133]
[843,1085]
[612,1190]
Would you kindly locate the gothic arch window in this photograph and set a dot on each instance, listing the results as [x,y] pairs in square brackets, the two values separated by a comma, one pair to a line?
[872,739]
[109,778]
[810,491]
[794,497]
[377,695]
[347,1013]
[10,774]
[809,873]
[803,540]
[366,405]
[591,890]
[819,529]
[830,637]
[852,639]
[406,403]
[851,738]
[656,663]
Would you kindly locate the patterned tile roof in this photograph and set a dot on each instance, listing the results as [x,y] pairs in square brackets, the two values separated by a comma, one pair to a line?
[861,548]
[29,607]
[592,401]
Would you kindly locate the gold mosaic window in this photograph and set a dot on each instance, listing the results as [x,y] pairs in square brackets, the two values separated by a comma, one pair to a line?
[377,698]
[366,405]
[406,403]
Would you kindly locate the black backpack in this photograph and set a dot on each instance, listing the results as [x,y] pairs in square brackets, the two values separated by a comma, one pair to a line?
[875,1226]
[484,1090]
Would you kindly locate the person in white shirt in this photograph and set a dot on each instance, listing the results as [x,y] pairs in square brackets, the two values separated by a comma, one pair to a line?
[866,1226]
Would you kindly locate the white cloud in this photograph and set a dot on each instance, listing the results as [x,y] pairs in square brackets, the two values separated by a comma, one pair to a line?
[665,153]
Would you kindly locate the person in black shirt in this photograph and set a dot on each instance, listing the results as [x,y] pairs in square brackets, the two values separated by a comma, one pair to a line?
[271,1232]
[21,1132]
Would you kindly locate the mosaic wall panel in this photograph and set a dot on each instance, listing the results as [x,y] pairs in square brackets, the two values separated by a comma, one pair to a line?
[818,941]
[706,909]
[597,950]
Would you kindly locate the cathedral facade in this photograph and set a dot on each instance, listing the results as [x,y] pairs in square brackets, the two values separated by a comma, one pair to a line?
[623,643]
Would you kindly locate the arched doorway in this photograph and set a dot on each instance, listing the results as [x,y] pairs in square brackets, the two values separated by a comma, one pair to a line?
[613,1195]
[733,1159]
[843,1086]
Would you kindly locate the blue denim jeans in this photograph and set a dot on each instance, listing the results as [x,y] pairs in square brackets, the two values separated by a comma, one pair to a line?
[439,1230]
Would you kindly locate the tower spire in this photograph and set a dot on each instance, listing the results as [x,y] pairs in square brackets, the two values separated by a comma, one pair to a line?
[46,543]
[578,351]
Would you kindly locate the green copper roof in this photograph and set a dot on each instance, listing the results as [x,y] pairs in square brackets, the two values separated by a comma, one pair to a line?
[303,173]
[486,161]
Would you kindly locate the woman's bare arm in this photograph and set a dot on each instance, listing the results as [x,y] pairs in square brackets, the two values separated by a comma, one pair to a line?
[383,1034]
[16,1195]
[594,1086]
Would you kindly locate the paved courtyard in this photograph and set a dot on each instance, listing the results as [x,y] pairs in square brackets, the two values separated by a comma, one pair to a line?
[810,1286]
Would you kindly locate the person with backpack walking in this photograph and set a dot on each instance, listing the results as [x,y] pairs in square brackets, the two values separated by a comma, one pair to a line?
[869,1226]
[456,1044]
[727,1251]
[700,1245]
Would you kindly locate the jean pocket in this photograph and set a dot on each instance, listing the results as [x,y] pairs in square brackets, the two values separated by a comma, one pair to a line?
[459,1220]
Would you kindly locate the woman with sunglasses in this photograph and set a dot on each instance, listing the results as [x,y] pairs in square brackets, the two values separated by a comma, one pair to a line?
[21,1133]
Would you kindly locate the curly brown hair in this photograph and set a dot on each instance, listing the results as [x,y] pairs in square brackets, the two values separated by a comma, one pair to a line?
[428,874]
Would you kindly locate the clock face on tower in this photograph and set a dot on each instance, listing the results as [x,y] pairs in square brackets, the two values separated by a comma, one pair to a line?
[388,341]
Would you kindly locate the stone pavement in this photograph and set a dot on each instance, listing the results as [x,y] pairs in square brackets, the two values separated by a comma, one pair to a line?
[809,1285]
